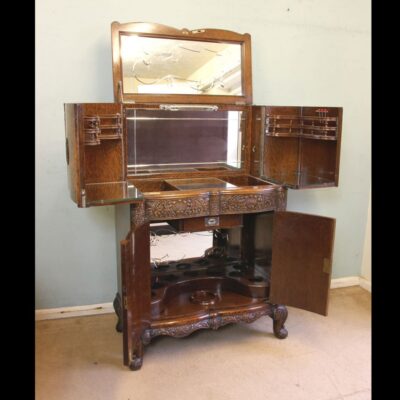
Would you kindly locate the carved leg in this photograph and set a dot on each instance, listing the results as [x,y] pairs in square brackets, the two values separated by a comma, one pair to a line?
[136,361]
[118,310]
[279,314]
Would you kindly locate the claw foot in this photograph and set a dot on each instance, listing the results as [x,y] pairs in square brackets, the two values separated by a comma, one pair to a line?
[279,315]
[118,310]
[137,356]
[136,363]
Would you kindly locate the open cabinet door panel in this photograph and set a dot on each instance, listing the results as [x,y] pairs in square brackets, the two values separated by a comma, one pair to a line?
[302,247]
[95,153]
[299,146]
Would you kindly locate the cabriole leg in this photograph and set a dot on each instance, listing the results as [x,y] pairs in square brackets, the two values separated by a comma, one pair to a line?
[118,310]
[279,315]
[137,355]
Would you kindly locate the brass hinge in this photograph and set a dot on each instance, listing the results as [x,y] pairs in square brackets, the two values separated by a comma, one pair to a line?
[327,265]
[125,303]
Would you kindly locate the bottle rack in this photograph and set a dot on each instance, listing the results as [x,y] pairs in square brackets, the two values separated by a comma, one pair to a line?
[210,274]
[314,127]
[101,127]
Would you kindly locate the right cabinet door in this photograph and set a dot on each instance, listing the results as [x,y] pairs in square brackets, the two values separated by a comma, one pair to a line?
[299,146]
[302,247]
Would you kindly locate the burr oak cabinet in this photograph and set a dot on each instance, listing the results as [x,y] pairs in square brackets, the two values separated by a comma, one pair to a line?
[183,149]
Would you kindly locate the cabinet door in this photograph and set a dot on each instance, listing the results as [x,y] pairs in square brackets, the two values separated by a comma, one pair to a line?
[95,153]
[299,146]
[302,247]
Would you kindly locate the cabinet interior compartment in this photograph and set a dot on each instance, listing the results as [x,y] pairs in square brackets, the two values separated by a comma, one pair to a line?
[300,146]
[300,162]
[235,271]
[191,141]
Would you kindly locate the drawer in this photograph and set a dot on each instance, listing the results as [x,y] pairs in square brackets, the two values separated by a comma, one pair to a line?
[207,223]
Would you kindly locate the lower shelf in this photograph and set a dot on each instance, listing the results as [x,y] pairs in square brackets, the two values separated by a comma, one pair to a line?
[198,297]
[211,318]
[208,318]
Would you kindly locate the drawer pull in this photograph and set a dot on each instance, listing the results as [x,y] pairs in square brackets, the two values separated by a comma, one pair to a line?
[211,221]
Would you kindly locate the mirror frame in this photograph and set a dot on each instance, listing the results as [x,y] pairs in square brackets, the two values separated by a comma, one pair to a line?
[163,31]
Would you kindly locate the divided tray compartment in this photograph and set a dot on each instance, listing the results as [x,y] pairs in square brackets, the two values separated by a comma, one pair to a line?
[196,284]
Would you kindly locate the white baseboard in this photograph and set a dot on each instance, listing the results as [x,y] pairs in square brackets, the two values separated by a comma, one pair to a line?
[107,308]
[345,282]
[365,284]
[78,311]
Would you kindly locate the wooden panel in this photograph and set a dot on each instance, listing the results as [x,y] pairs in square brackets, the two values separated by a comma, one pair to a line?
[126,262]
[281,160]
[320,159]
[301,146]
[103,162]
[73,152]
[318,162]
[302,247]
[257,128]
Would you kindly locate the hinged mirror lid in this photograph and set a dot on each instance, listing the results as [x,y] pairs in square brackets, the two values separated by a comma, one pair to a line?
[161,64]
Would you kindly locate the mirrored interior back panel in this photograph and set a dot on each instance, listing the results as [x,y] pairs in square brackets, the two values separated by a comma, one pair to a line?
[162,140]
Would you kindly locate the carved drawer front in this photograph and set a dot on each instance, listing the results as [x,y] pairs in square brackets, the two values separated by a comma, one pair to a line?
[235,203]
[102,127]
[178,207]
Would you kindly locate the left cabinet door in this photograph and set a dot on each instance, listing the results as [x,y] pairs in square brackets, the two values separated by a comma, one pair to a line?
[95,153]
[302,247]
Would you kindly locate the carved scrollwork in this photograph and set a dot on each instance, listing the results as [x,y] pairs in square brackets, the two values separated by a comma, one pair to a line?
[177,208]
[238,203]
[214,321]
[138,214]
[179,331]
[246,317]
[281,199]
[214,203]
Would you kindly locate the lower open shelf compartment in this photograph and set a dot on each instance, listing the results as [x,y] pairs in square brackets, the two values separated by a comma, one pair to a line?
[200,286]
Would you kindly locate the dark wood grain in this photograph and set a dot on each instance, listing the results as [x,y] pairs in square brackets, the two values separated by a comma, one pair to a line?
[74,148]
[302,249]
[301,146]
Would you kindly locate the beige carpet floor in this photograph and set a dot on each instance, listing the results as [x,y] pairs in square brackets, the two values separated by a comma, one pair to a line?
[323,358]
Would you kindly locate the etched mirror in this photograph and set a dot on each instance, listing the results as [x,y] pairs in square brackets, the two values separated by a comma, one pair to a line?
[153,63]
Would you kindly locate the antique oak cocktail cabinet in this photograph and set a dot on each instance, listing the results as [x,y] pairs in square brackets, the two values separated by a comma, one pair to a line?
[183,149]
